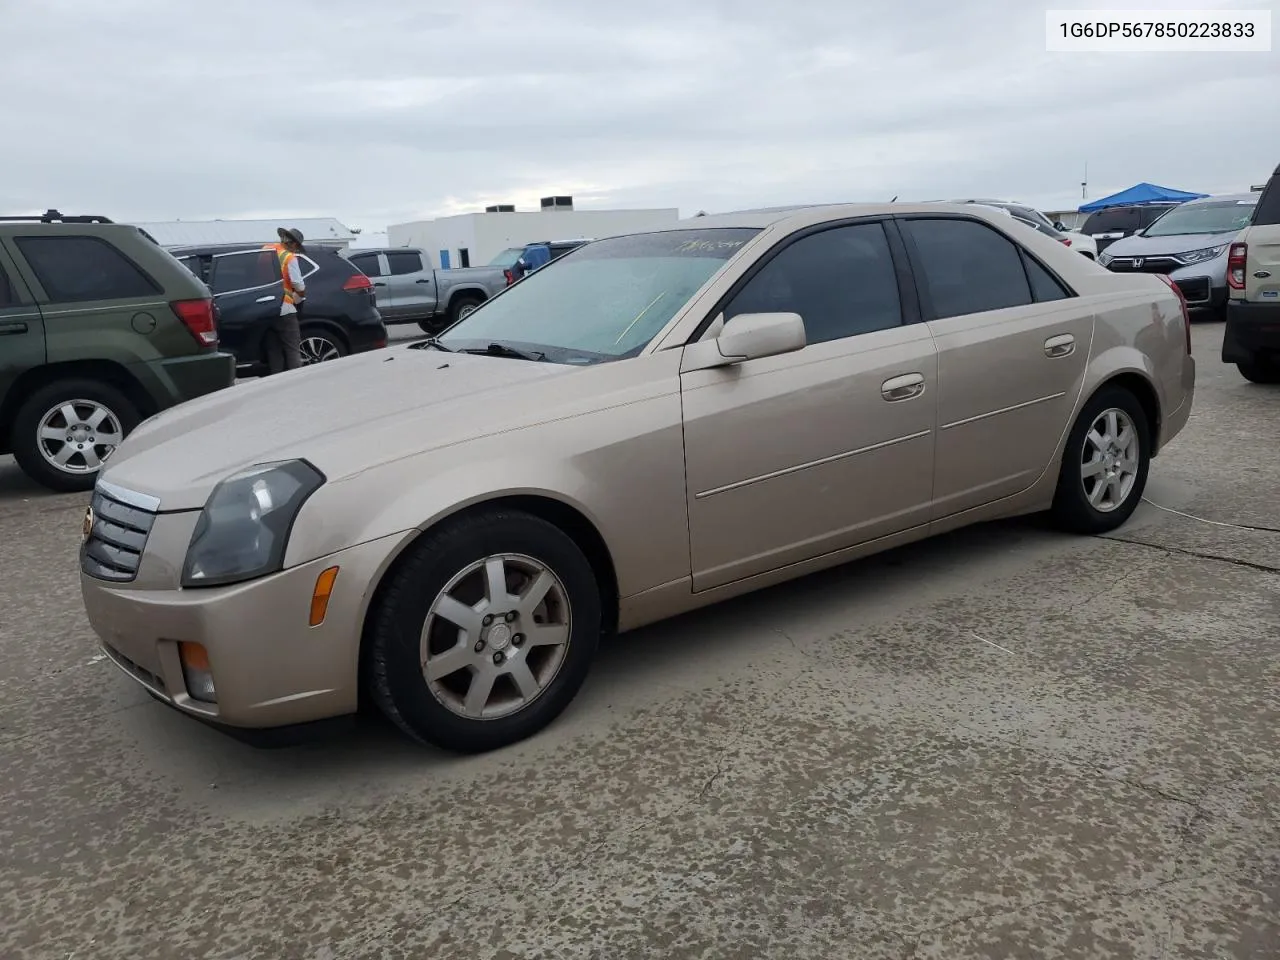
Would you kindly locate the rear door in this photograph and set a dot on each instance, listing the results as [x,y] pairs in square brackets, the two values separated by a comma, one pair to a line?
[1262,265]
[1012,350]
[94,299]
[21,328]
[248,293]
[411,284]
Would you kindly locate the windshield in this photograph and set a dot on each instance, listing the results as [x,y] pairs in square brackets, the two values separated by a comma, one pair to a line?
[605,302]
[507,257]
[1226,216]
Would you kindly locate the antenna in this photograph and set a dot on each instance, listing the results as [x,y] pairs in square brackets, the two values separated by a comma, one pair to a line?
[1084,184]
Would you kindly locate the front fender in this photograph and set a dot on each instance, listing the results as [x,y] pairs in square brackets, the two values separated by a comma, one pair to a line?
[621,468]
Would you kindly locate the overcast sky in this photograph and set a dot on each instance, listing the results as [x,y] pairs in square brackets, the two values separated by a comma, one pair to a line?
[381,111]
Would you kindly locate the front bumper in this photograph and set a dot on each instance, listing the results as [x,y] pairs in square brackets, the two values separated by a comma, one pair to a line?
[270,667]
[1252,331]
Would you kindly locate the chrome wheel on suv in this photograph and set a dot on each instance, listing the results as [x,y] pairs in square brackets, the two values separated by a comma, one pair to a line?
[76,436]
[67,429]
[318,348]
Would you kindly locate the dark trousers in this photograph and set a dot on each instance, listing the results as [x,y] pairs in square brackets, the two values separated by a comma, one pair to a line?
[284,344]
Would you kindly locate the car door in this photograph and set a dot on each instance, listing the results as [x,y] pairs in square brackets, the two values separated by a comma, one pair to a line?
[21,329]
[411,284]
[372,266]
[1012,350]
[794,456]
[248,293]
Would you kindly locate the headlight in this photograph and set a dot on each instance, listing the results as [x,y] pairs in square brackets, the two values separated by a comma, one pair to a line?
[1105,258]
[1200,256]
[244,527]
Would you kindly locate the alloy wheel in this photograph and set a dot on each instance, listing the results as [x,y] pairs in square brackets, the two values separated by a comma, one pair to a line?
[317,349]
[495,637]
[1110,459]
[76,436]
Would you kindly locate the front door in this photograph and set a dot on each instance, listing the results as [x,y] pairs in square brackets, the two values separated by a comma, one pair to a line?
[791,457]
[1012,350]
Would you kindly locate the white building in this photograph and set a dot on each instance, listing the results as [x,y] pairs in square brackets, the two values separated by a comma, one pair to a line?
[473,239]
[323,231]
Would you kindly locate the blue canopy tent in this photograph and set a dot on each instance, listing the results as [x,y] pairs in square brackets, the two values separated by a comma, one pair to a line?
[1138,195]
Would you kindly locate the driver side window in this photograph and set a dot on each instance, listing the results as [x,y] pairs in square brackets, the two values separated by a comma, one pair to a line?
[841,281]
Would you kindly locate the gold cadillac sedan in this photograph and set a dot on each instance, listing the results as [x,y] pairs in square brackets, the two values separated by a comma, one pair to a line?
[652,423]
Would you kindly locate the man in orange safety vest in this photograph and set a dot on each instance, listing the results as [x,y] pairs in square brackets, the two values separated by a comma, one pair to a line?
[287,354]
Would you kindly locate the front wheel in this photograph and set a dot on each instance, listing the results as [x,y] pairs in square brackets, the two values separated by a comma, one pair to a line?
[484,632]
[1105,464]
[1260,371]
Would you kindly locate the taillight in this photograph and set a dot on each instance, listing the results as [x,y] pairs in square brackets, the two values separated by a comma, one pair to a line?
[197,317]
[1182,302]
[510,277]
[1066,241]
[1236,258]
[357,282]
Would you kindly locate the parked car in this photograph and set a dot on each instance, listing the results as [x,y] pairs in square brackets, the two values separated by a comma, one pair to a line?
[338,318]
[100,328]
[1189,245]
[655,423]
[1115,223]
[534,256]
[1079,242]
[1252,337]
[410,291]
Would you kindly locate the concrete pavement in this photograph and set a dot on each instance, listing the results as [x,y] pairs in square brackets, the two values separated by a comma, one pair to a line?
[1002,743]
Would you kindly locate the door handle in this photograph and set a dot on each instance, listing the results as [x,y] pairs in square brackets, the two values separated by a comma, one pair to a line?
[422,281]
[1063,345]
[903,388]
[264,300]
[11,327]
[379,284]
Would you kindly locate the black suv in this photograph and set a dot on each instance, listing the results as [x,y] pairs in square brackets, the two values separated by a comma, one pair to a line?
[339,316]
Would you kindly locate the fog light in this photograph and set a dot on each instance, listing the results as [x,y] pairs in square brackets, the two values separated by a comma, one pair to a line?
[320,596]
[196,672]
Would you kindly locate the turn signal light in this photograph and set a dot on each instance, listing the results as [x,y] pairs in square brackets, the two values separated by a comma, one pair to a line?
[320,596]
[196,672]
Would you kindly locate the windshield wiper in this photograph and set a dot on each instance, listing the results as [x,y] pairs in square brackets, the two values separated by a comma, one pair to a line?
[502,350]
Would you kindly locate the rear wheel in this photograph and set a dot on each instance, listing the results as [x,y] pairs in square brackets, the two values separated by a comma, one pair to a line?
[1105,464]
[484,632]
[463,306]
[320,345]
[67,429]
[1260,371]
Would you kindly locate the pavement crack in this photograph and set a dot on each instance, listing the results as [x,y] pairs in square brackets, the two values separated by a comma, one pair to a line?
[1181,551]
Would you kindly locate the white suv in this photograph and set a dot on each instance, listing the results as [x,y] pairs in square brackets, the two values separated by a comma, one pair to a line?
[1252,337]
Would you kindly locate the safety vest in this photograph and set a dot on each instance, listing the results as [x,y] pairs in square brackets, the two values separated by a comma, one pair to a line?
[284,257]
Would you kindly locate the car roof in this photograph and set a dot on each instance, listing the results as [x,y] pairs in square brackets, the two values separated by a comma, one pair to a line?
[806,214]
[1222,198]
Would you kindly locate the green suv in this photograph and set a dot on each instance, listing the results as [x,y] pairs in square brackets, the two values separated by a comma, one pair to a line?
[100,328]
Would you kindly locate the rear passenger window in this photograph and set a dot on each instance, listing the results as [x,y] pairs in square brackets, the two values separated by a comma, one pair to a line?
[401,262]
[368,264]
[841,281]
[244,271]
[1267,212]
[966,267]
[77,269]
[1044,286]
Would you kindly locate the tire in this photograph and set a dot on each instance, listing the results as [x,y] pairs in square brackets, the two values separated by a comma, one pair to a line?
[1260,371]
[462,305]
[432,325]
[43,411]
[1072,508]
[447,711]
[320,344]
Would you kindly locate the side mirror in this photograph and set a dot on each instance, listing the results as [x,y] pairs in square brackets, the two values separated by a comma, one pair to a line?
[748,336]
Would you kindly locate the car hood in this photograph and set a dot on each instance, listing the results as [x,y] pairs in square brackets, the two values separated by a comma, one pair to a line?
[343,417]
[1136,246]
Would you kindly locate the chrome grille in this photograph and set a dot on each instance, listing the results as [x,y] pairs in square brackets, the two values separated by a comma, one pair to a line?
[113,549]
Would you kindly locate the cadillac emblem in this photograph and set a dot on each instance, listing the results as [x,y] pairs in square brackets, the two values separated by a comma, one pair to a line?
[86,528]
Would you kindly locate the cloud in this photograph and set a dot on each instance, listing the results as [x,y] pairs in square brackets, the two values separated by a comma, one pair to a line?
[385,111]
